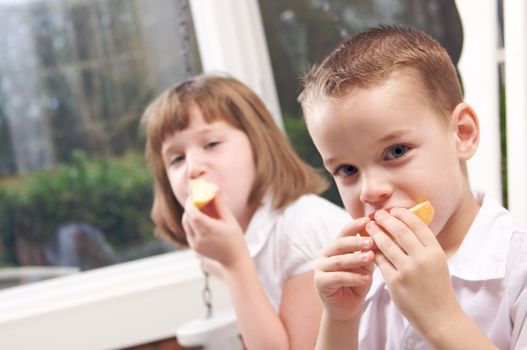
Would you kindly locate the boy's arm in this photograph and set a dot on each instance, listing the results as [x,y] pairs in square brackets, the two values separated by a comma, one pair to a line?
[415,269]
[458,332]
[335,335]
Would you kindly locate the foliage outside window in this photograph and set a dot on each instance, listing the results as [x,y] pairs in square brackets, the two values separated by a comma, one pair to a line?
[75,77]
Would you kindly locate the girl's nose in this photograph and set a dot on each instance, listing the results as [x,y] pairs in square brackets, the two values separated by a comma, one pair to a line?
[375,189]
[196,166]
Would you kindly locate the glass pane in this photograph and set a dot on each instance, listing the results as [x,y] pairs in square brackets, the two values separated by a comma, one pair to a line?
[300,33]
[75,77]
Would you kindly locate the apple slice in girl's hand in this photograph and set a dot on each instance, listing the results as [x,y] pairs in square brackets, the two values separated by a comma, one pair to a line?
[202,192]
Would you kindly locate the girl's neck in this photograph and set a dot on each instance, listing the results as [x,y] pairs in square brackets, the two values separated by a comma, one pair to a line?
[246,216]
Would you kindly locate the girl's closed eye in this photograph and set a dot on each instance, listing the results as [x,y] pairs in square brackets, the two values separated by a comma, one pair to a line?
[396,151]
[211,144]
[176,159]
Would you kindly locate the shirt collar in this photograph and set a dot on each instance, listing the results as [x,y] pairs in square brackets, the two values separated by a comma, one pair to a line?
[261,224]
[483,253]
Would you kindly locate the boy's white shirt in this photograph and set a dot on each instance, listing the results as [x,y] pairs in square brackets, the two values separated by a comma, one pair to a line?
[489,276]
[286,243]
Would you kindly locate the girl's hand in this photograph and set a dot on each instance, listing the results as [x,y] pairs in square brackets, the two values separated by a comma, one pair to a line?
[414,267]
[343,272]
[219,238]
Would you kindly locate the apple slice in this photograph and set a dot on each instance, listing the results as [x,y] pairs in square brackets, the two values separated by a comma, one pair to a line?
[202,192]
[425,211]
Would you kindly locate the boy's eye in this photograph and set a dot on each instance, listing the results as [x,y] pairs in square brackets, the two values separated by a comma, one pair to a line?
[346,170]
[396,151]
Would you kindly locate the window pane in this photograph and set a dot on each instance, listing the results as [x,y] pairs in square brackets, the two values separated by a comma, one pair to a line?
[75,77]
[300,33]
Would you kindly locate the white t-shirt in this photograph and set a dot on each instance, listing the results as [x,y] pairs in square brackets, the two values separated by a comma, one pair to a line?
[489,276]
[285,243]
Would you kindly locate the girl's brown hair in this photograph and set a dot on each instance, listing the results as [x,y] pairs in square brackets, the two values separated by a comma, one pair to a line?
[370,57]
[278,168]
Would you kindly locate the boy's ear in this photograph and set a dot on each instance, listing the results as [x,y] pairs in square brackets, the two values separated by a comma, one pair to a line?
[466,125]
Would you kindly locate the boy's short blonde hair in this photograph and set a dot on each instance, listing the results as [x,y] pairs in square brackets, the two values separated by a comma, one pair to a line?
[224,99]
[369,58]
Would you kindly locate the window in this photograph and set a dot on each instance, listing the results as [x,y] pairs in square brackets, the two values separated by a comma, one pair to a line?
[75,77]
[301,33]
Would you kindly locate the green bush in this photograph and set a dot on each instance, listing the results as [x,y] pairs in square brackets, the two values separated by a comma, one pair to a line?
[113,195]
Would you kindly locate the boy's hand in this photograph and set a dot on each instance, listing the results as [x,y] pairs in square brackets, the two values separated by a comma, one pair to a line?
[343,272]
[414,267]
[214,233]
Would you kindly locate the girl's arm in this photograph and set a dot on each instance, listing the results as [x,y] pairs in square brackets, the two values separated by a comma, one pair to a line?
[300,311]
[260,326]
[221,238]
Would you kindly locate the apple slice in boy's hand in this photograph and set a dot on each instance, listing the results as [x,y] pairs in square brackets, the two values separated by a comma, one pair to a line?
[425,211]
[202,192]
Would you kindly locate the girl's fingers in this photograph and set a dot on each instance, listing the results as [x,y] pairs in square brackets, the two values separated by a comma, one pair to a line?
[345,262]
[197,219]
[222,209]
[188,231]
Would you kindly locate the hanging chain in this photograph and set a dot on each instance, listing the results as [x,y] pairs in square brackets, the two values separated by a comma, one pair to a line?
[206,293]
[184,31]
[336,19]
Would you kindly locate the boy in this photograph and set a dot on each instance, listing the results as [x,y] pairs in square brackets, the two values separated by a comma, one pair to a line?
[386,113]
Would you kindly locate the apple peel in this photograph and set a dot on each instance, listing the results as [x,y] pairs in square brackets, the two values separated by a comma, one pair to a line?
[202,192]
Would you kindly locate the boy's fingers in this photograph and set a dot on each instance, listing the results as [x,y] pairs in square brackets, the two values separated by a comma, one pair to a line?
[402,234]
[422,232]
[329,282]
[384,265]
[386,245]
[345,261]
[348,244]
[355,227]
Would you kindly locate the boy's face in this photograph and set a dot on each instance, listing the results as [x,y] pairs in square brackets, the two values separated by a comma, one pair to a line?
[216,152]
[387,146]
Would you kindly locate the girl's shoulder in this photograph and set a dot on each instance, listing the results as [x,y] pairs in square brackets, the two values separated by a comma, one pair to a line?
[310,216]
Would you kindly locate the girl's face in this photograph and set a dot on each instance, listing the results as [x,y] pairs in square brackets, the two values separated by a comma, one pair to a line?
[216,152]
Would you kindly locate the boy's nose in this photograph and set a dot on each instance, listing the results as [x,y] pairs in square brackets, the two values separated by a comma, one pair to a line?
[375,189]
[196,166]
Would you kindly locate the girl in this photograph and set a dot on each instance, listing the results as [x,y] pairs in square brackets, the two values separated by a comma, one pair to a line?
[269,222]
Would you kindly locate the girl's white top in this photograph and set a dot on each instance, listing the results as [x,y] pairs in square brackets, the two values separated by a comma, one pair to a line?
[285,243]
[489,276]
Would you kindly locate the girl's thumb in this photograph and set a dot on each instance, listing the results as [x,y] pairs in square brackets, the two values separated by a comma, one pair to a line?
[221,208]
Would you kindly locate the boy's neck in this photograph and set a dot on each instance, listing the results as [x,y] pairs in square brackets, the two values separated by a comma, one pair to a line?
[457,227]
